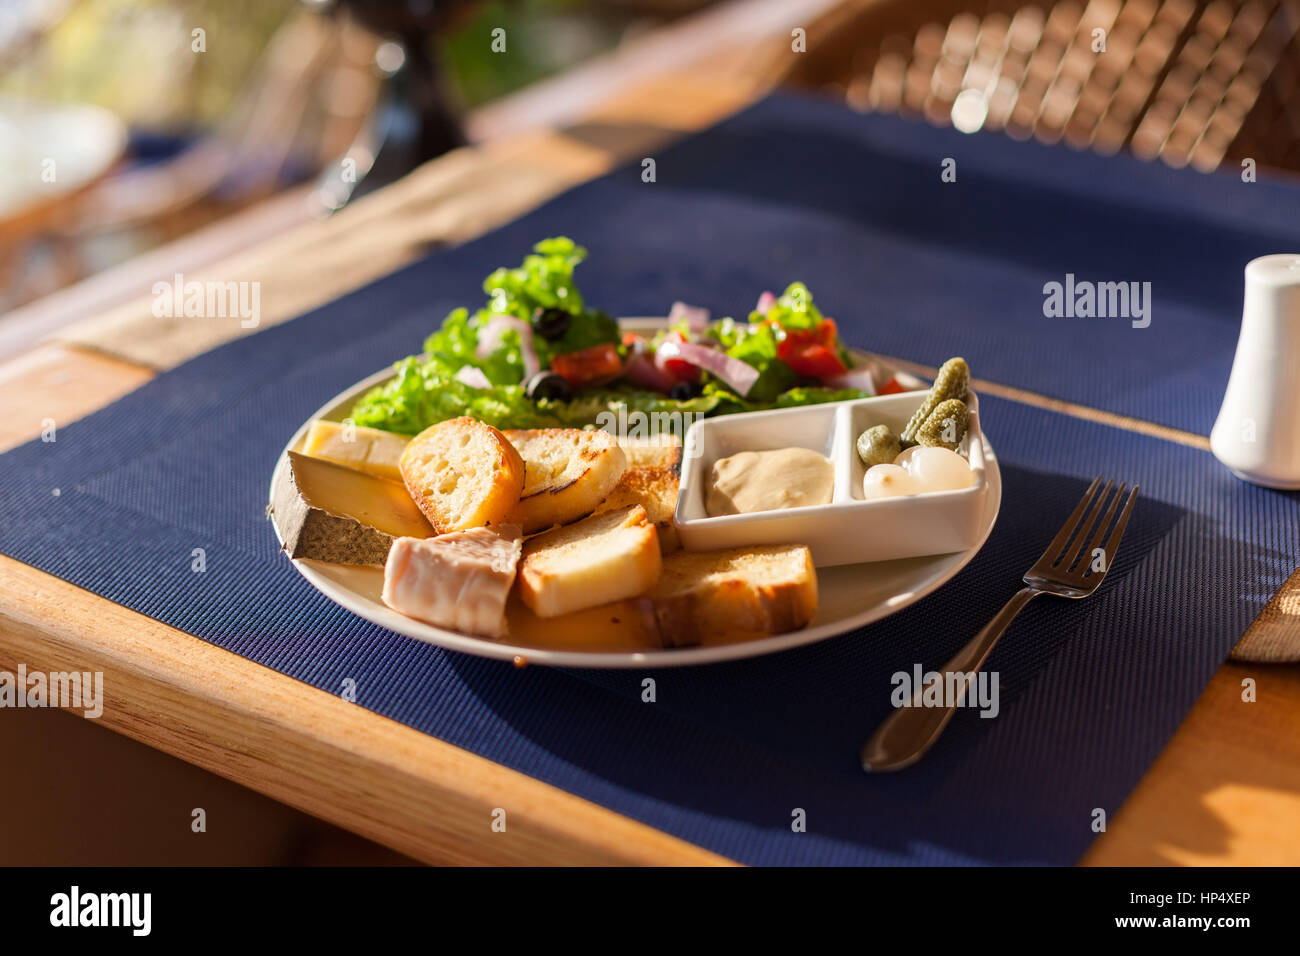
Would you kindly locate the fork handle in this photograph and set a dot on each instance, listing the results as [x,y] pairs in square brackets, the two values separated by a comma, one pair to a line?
[909,732]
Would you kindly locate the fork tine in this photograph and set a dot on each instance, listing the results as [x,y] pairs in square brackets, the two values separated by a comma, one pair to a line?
[1112,543]
[1063,536]
[1085,528]
[1102,527]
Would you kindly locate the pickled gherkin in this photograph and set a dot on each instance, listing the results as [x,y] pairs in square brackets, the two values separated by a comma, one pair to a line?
[946,426]
[878,446]
[951,383]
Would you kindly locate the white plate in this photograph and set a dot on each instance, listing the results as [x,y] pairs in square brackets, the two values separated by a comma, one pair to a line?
[850,595]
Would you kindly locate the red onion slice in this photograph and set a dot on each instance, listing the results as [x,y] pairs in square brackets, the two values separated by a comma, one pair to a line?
[697,319]
[859,378]
[489,338]
[472,376]
[740,376]
[765,303]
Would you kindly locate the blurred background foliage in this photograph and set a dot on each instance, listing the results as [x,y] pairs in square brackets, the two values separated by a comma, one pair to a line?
[548,35]
[134,56]
[207,107]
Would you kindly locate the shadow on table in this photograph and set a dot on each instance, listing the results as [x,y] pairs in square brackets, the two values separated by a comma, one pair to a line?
[1090,692]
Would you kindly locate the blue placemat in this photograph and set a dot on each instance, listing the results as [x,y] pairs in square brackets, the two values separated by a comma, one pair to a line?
[921,268]
[1090,691]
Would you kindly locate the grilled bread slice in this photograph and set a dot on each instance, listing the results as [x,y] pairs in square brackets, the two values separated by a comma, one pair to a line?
[655,490]
[568,472]
[651,480]
[759,590]
[602,558]
[660,451]
[462,474]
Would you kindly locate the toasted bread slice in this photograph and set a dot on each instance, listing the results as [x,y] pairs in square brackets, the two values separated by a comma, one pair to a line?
[660,451]
[462,474]
[759,590]
[568,472]
[602,558]
[654,489]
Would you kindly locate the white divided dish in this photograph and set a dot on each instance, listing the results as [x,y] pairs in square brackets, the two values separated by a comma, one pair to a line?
[851,529]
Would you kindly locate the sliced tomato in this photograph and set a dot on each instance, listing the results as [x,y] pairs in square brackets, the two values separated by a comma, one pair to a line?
[815,361]
[890,388]
[594,366]
[791,340]
[812,352]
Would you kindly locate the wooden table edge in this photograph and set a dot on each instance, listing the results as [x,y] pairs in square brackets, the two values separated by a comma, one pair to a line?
[310,749]
[434,801]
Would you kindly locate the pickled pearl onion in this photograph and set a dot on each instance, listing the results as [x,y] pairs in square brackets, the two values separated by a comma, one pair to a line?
[888,481]
[938,469]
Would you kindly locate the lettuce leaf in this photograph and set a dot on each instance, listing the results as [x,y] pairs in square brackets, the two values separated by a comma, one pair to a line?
[729,403]
[425,393]
[425,390]
[585,407]
[422,394]
[544,280]
[794,309]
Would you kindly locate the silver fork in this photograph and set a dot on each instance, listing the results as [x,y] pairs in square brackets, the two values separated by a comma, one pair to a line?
[910,731]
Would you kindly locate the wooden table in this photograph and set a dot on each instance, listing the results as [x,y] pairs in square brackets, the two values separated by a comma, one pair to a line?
[1226,789]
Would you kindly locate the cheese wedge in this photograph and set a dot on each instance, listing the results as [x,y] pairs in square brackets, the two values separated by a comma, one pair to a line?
[355,446]
[330,513]
[459,580]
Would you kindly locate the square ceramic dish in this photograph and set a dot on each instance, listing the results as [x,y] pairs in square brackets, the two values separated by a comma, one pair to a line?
[850,529]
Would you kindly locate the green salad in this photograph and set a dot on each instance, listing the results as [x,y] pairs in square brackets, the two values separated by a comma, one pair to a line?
[536,355]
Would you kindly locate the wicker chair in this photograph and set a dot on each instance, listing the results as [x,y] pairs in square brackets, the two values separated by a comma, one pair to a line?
[1193,83]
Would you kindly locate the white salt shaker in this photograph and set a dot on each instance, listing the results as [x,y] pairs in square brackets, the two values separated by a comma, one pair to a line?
[1257,434]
